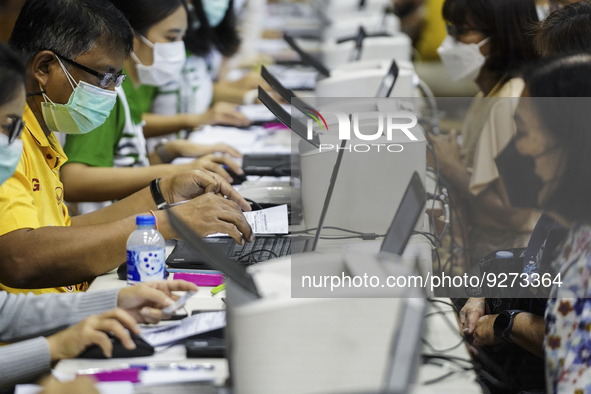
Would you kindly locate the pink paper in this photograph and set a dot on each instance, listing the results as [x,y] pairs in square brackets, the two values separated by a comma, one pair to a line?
[201,279]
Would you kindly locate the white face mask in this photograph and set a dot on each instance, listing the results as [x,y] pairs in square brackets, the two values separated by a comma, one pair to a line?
[169,60]
[462,61]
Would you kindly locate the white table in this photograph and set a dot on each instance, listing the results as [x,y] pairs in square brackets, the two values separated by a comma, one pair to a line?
[438,334]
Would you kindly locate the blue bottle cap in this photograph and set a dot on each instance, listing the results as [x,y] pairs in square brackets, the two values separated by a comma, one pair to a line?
[503,254]
[145,220]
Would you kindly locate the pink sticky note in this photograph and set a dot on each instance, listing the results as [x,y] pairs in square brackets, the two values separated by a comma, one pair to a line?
[118,375]
[201,279]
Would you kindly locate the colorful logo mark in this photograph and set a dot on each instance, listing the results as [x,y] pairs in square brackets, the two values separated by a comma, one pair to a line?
[315,116]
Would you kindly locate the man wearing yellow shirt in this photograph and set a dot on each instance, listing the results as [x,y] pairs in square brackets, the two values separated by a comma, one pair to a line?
[74,52]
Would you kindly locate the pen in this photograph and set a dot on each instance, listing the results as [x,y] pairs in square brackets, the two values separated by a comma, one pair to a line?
[172,366]
[217,289]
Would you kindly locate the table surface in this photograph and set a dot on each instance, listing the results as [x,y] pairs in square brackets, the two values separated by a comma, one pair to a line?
[439,333]
[441,329]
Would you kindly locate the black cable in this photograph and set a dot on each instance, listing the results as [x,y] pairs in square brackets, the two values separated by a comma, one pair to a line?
[364,236]
[439,379]
[436,185]
[356,237]
[449,349]
[436,252]
[455,308]
[426,235]
[252,202]
[257,251]
[327,227]
[480,356]
[454,359]
[438,313]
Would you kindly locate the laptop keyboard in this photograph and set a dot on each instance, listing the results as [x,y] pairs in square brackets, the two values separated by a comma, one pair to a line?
[262,249]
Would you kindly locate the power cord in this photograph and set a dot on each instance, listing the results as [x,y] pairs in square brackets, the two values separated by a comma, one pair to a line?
[363,236]
[481,357]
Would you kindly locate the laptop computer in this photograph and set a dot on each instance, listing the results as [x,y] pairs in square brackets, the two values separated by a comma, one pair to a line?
[306,57]
[407,215]
[267,164]
[402,365]
[388,82]
[266,247]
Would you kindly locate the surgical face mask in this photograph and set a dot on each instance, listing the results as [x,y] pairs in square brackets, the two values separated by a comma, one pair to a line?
[518,173]
[169,60]
[462,61]
[88,107]
[10,155]
[215,11]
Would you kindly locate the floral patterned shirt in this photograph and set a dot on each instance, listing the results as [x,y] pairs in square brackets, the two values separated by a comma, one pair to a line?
[568,317]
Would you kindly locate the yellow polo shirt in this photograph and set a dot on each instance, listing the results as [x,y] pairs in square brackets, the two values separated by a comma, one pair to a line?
[34,196]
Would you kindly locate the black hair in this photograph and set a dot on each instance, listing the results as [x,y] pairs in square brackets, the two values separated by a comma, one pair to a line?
[203,39]
[12,74]
[70,28]
[143,14]
[508,25]
[565,30]
[561,88]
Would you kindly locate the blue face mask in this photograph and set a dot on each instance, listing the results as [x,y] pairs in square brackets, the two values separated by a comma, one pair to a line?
[10,155]
[215,11]
[88,107]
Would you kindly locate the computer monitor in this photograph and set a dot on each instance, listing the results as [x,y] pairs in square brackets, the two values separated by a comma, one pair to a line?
[306,57]
[407,215]
[358,50]
[236,272]
[389,81]
[294,124]
[286,94]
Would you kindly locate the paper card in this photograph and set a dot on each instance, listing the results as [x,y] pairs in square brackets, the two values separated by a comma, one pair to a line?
[189,326]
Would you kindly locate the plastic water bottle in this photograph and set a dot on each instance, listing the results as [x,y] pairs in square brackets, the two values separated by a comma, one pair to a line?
[146,255]
[504,254]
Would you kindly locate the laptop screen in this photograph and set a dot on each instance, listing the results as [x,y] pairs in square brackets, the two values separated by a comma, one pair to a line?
[389,81]
[286,94]
[295,125]
[236,272]
[407,215]
[306,57]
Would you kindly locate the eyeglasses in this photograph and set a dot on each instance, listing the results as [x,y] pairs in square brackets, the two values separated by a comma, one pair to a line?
[14,127]
[457,31]
[105,79]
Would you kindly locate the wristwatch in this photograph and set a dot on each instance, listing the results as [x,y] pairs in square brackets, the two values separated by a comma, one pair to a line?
[504,322]
[157,195]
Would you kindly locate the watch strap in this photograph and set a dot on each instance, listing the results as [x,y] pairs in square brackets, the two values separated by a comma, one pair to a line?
[157,194]
[509,317]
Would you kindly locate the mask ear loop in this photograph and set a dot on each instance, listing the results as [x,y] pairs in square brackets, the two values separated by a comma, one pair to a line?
[145,41]
[45,97]
[71,79]
[483,42]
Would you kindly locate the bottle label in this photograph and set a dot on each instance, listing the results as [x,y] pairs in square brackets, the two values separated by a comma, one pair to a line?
[145,266]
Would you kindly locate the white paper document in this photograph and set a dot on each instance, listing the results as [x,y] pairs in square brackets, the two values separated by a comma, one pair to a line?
[102,387]
[266,221]
[260,113]
[269,221]
[189,326]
